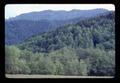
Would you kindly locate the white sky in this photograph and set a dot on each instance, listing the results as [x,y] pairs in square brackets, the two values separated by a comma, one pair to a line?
[12,10]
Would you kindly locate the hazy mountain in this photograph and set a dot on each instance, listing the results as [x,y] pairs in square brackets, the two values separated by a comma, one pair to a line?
[59,15]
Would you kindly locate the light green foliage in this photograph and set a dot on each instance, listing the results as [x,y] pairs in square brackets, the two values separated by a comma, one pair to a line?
[83,68]
[59,68]
[12,62]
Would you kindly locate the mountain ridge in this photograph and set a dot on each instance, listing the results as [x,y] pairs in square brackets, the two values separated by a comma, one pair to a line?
[52,15]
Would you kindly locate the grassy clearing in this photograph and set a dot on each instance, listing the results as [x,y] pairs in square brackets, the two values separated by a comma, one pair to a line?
[52,76]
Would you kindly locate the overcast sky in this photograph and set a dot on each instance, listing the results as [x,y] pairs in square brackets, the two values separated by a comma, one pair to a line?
[12,10]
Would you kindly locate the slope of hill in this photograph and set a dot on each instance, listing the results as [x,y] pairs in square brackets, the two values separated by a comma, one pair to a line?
[26,25]
[94,32]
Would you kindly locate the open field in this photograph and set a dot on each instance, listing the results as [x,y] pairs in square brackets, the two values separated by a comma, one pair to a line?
[52,76]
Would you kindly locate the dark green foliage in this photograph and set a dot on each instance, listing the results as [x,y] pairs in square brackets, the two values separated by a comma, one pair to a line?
[99,62]
[95,33]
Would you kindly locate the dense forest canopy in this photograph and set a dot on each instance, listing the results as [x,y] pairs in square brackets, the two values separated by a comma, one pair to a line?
[93,32]
[84,48]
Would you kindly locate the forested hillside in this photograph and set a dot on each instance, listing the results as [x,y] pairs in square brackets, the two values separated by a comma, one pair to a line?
[22,27]
[85,48]
[98,32]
